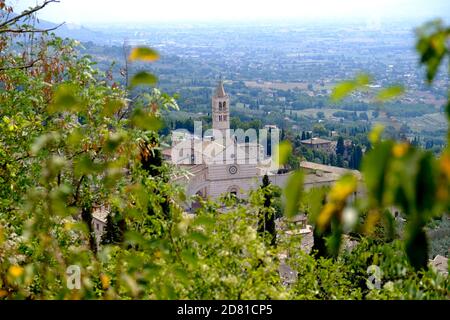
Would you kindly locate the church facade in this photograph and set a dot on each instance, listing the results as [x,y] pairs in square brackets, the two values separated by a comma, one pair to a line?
[223,161]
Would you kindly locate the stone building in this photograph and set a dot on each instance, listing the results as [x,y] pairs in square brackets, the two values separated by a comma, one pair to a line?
[318,144]
[224,165]
[216,164]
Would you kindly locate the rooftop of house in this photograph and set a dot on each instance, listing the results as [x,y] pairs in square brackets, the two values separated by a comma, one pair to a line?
[315,141]
[100,213]
[327,169]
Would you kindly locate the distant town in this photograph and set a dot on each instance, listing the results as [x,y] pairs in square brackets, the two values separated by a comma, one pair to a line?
[284,74]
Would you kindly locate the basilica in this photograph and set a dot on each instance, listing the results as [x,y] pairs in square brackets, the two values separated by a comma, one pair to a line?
[224,161]
[220,161]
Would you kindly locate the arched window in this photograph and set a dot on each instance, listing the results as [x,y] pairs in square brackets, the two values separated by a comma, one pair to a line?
[224,106]
[233,190]
[220,106]
[220,118]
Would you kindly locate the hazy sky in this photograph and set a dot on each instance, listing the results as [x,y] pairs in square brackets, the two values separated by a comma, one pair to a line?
[106,11]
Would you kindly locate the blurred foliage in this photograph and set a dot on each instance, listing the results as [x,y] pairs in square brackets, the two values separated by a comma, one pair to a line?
[71,142]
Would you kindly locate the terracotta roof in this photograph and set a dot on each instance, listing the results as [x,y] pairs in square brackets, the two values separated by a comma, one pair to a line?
[167,152]
[328,169]
[316,141]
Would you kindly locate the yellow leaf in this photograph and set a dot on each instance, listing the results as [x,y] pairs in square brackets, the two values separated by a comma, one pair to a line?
[372,219]
[343,188]
[445,164]
[3,293]
[15,271]
[375,134]
[105,281]
[390,93]
[143,54]
[68,226]
[342,90]
[400,149]
[325,215]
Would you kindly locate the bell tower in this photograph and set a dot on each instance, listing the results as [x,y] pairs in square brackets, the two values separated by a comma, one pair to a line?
[221,111]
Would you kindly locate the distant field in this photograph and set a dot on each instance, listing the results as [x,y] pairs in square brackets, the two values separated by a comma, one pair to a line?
[328,112]
[429,122]
[283,85]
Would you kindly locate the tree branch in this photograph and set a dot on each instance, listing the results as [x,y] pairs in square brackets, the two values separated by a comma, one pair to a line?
[26,13]
[30,30]
[27,66]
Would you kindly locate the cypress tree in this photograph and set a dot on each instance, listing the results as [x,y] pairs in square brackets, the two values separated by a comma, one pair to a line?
[340,148]
[266,223]
[115,229]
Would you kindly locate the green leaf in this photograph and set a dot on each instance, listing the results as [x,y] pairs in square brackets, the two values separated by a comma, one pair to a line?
[145,121]
[85,166]
[293,192]
[135,238]
[66,98]
[374,167]
[390,93]
[112,106]
[113,142]
[181,274]
[343,89]
[284,151]
[204,221]
[143,54]
[44,141]
[74,139]
[432,46]
[416,247]
[426,187]
[198,237]
[189,257]
[143,78]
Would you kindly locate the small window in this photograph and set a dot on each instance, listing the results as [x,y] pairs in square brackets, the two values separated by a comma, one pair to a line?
[220,118]
[225,118]
[224,106]
[220,106]
[234,191]
[98,226]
